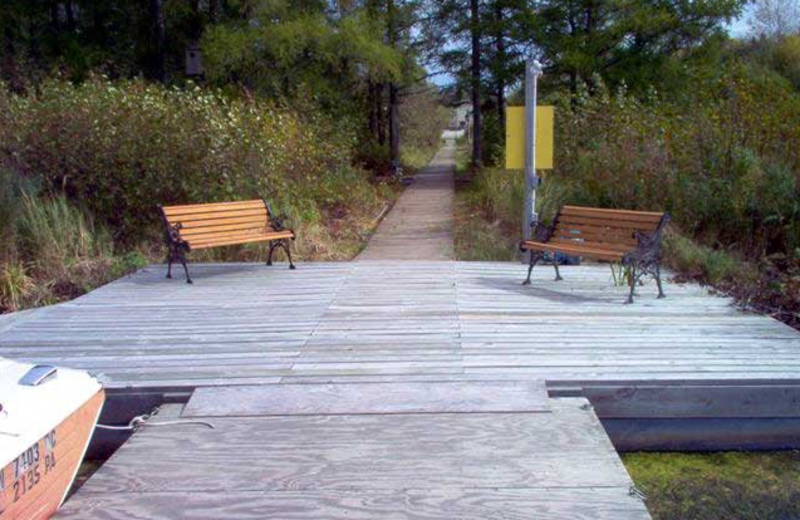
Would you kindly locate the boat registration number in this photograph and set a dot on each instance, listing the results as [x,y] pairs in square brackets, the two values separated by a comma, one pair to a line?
[32,465]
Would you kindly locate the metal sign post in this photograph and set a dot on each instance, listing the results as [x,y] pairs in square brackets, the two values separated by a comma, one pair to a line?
[529,217]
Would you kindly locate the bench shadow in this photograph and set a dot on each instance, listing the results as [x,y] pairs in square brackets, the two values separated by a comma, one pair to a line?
[515,286]
[203,271]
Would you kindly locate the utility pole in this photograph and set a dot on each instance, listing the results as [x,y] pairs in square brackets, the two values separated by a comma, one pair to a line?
[529,217]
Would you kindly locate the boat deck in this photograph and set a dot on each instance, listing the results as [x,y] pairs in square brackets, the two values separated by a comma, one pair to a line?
[403,321]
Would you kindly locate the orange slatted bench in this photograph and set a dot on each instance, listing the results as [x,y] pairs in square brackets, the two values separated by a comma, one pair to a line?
[201,226]
[631,238]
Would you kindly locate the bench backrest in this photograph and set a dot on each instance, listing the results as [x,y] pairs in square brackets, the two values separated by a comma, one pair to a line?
[208,225]
[609,229]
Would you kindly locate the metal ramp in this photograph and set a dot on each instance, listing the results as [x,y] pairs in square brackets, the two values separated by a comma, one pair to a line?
[428,450]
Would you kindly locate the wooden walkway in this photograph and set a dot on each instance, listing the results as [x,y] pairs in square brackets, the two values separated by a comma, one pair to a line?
[420,225]
[444,451]
[328,387]
[403,321]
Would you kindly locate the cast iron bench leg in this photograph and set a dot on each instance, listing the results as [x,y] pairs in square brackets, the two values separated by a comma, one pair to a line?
[534,259]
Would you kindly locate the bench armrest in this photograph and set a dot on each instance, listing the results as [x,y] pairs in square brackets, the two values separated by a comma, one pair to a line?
[278,223]
[543,233]
[648,248]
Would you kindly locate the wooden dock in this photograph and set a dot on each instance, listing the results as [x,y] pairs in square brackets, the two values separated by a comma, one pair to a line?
[465,450]
[403,321]
[408,390]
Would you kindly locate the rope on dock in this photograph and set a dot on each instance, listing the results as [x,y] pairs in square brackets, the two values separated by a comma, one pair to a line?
[142,420]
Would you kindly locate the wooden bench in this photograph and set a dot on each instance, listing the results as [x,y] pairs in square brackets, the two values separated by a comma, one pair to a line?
[202,226]
[632,238]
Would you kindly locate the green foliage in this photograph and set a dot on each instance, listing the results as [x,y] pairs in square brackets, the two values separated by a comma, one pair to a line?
[485,227]
[9,209]
[128,263]
[786,59]
[422,120]
[699,262]
[724,165]
[15,286]
[55,233]
[122,148]
[624,42]
[59,253]
[726,485]
[282,51]
[500,193]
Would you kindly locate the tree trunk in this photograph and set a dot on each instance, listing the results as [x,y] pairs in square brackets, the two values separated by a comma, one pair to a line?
[72,26]
[500,80]
[372,118]
[379,114]
[394,126]
[159,33]
[394,98]
[475,33]
[9,63]
[213,11]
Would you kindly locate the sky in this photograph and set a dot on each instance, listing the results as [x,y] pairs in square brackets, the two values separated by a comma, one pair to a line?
[739,28]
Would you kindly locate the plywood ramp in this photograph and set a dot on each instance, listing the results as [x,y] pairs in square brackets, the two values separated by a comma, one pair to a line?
[550,460]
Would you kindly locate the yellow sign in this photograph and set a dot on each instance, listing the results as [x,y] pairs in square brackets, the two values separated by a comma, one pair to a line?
[515,138]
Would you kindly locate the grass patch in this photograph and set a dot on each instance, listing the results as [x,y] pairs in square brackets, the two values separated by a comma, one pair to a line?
[718,486]
[476,237]
[484,200]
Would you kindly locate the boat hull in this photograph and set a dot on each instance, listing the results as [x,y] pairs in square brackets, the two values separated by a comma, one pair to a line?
[34,485]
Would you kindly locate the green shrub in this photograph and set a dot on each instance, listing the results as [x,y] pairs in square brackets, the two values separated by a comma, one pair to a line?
[122,148]
[422,120]
[127,264]
[9,208]
[699,262]
[724,160]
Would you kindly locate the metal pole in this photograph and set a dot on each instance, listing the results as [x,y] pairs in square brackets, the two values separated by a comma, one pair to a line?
[529,217]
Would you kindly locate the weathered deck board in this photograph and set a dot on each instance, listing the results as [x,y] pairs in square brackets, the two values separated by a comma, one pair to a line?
[407,504]
[397,466]
[392,320]
[365,398]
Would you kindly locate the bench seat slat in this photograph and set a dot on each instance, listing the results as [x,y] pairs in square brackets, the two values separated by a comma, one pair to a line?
[599,254]
[605,232]
[241,239]
[603,224]
[639,216]
[588,244]
[197,224]
[213,207]
[594,237]
[233,213]
[254,226]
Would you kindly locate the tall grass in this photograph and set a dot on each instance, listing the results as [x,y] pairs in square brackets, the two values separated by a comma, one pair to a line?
[56,233]
[59,252]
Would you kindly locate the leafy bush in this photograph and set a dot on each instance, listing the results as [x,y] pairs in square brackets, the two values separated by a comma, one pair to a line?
[725,165]
[422,120]
[121,148]
[9,208]
[83,168]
